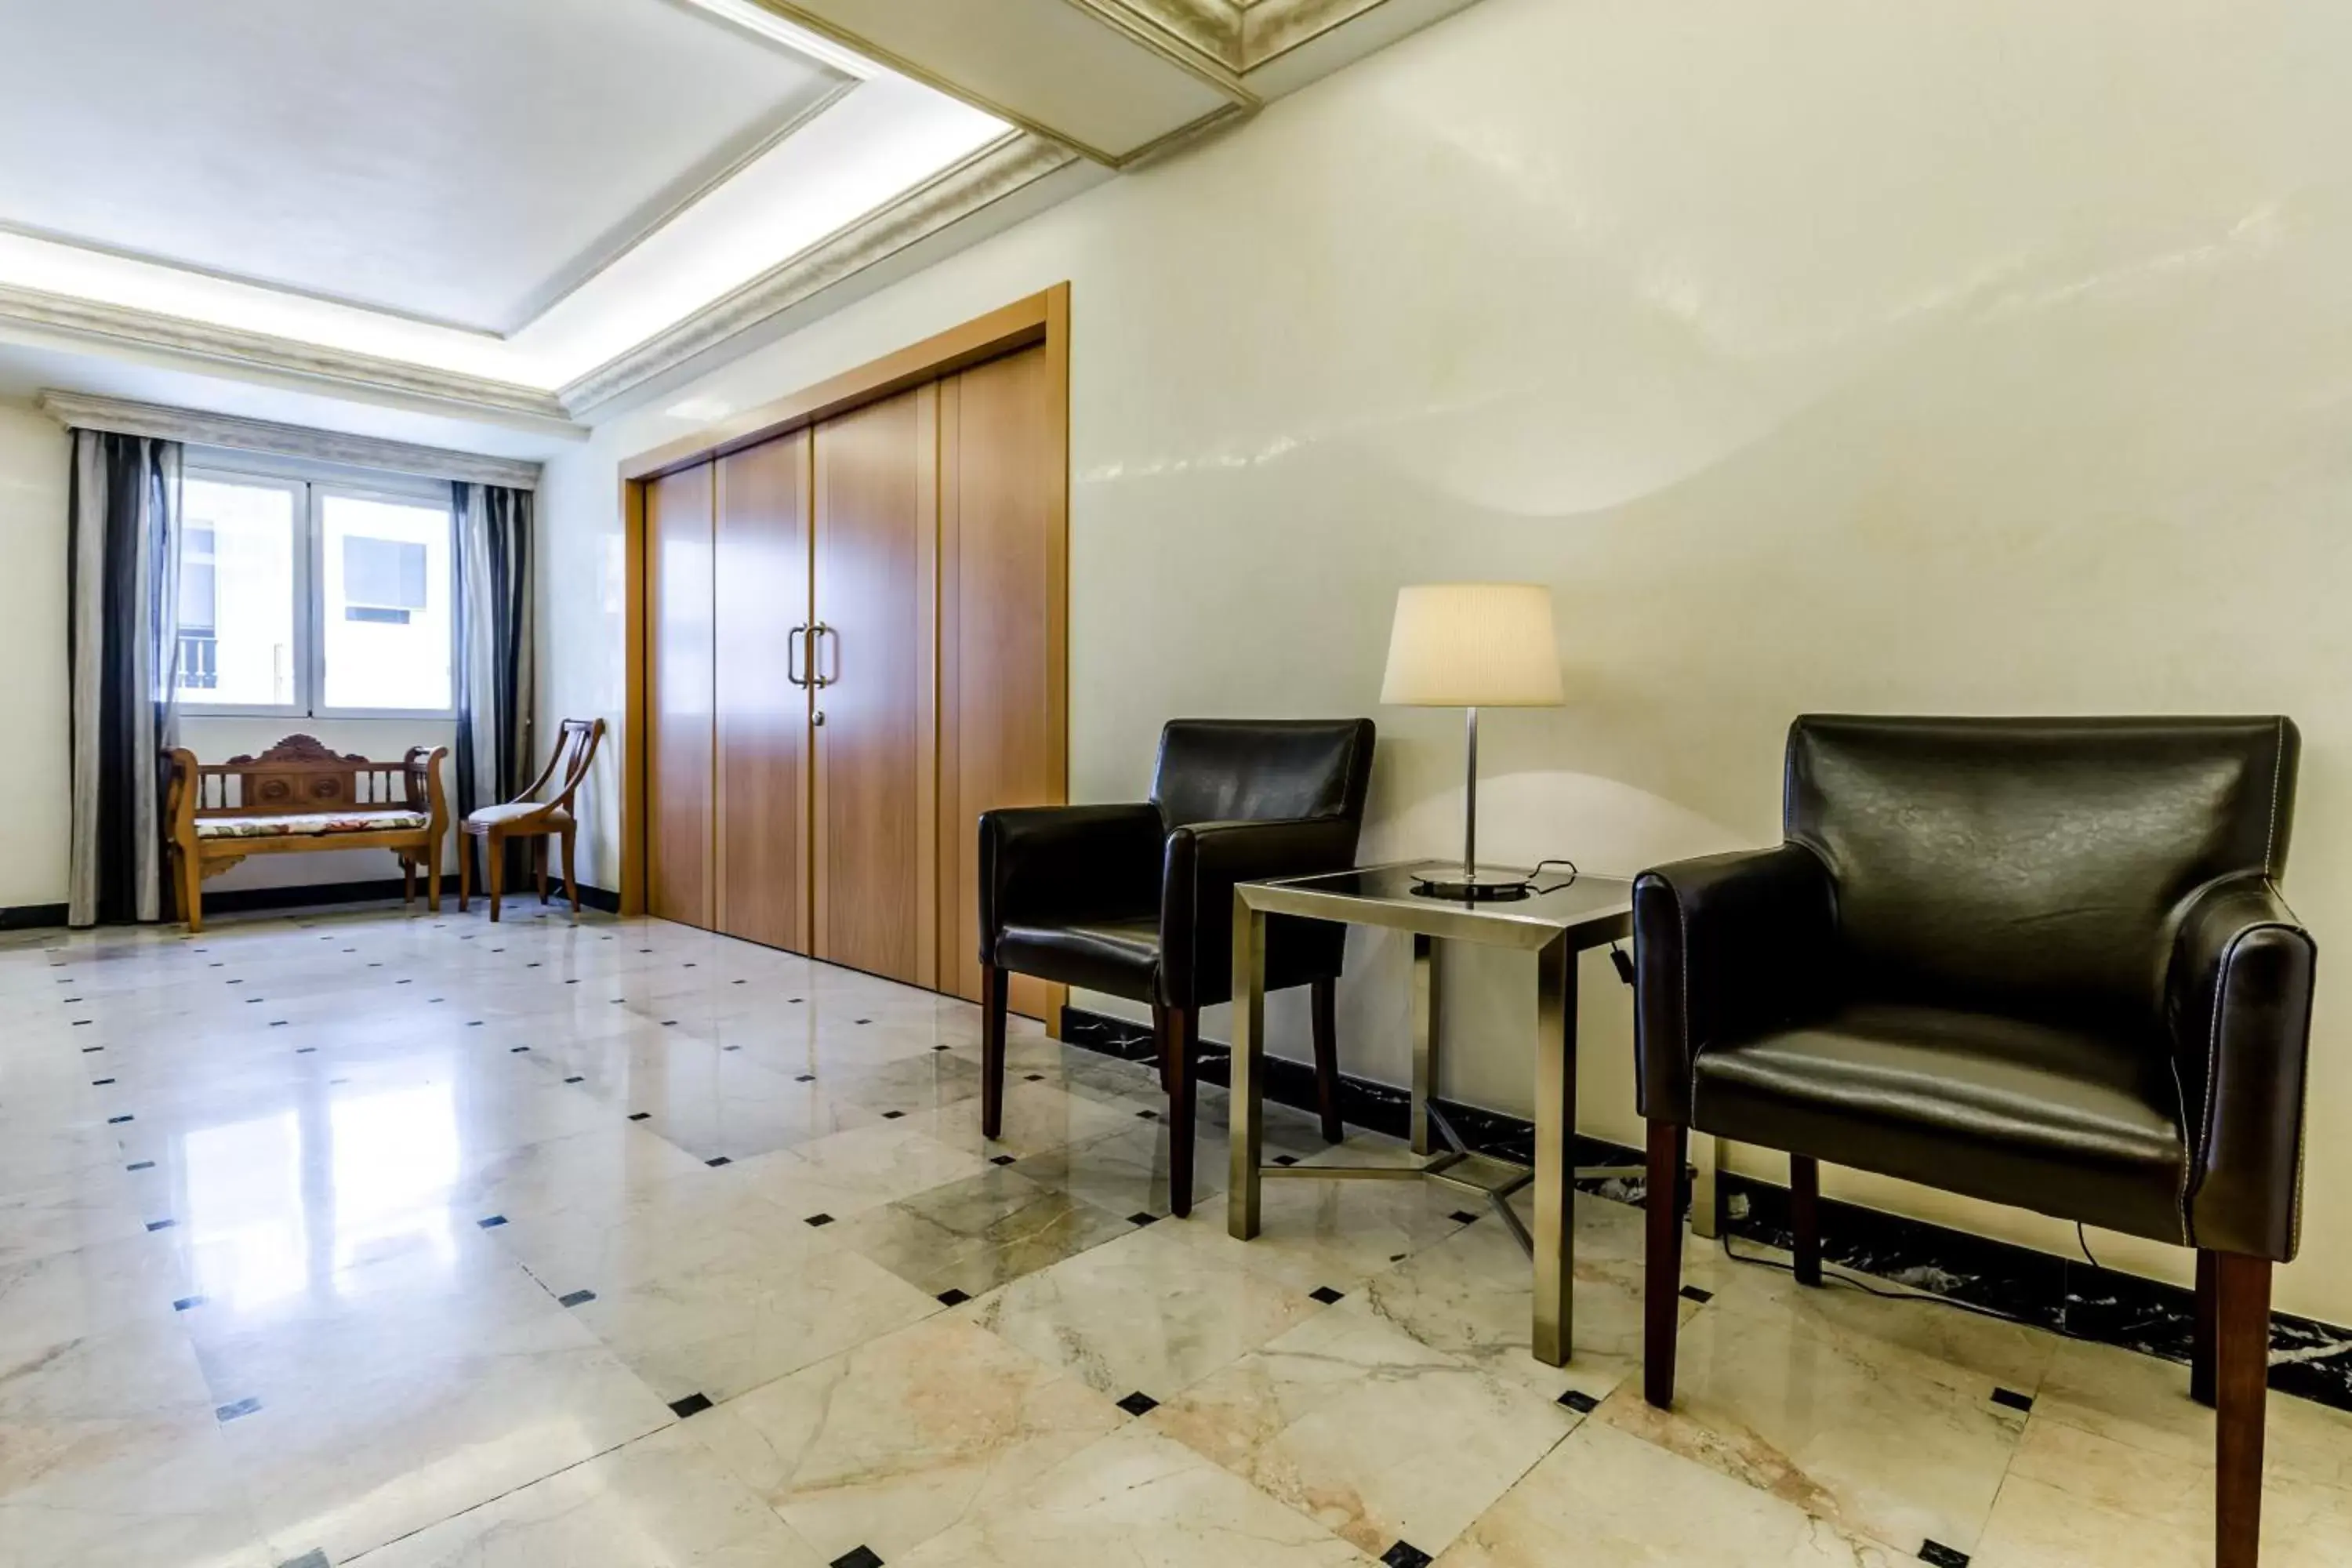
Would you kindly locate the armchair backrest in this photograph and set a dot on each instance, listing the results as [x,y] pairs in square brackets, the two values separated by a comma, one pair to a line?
[2037,866]
[1261,769]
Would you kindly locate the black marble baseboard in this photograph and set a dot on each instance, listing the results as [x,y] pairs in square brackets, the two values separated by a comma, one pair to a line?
[305,896]
[2067,1296]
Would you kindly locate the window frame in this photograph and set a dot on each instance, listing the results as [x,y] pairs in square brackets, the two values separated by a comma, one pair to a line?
[312,485]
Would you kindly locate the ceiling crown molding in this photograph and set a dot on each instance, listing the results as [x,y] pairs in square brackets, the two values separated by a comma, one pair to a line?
[337,369]
[197,428]
[988,176]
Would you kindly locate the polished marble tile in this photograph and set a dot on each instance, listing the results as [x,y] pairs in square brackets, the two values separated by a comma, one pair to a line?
[976,1234]
[1148,1312]
[1039,1117]
[887,1444]
[845,1174]
[1367,1430]
[1135,1497]
[659,1500]
[1606,1499]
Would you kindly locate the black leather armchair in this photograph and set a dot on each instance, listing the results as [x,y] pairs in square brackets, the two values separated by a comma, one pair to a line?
[2043,962]
[1137,900]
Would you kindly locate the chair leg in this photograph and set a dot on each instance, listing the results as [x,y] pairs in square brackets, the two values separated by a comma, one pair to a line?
[1184,1044]
[2241,1349]
[571,880]
[1325,995]
[433,877]
[1805,1215]
[1164,1043]
[992,1051]
[494,862]
[192,893]
[465,870]
[407,880]
[2200,1349]
[1662,1287]
[538,863]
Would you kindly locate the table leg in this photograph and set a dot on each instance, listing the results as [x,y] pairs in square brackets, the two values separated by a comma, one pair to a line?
[1246,1109]
[1706,1198]
[1425,1032]
[1555,1225]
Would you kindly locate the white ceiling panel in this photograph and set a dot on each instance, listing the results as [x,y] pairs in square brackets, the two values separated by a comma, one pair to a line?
[1046,63]
[468,162]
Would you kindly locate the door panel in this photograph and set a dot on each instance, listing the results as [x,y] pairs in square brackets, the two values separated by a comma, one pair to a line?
[1002,563]
[876,472]
[762,601]
[678,648]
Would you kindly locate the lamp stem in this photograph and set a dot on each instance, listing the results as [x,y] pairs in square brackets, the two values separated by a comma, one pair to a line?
[1470,813]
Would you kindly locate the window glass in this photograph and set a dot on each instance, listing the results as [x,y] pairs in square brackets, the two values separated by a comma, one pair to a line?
[238,603]
[386,597]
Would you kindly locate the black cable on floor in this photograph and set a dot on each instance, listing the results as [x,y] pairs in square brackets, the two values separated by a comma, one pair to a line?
[1831,1274]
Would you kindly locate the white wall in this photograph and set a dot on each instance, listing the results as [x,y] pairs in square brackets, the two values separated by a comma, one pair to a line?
[32,732]
[1966,355]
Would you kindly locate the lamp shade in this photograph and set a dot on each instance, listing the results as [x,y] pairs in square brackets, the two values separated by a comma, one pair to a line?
[1473,645]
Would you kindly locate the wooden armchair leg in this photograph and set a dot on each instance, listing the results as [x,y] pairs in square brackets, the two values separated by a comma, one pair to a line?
[494,868]
[192,891]
[407,879]
[2201,1349]
[1805,1215]
[992,1051]
[538,863]
[570,878]
[465,870]
[2242,1350]
[1327,1058]
[433,877]
[1662,1286]
[1183,1044]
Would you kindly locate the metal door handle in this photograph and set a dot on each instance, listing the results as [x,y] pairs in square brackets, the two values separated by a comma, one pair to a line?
[791,668]
[816,649]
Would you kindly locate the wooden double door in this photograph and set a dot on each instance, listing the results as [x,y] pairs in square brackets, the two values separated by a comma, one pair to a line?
[856,639]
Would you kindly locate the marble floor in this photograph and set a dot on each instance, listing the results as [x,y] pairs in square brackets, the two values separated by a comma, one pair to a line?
[408,1240]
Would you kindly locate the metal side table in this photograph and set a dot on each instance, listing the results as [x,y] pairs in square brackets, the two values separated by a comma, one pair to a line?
[1556,925]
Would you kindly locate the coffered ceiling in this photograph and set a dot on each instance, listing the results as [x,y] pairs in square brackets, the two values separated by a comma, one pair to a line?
[530,212]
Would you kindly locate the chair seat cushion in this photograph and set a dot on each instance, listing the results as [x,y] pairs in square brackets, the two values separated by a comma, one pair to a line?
[2017,1112]
[311,824]
[1120,958]
[489,817]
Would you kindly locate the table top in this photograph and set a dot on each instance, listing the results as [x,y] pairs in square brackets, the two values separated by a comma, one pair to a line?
[1588,910]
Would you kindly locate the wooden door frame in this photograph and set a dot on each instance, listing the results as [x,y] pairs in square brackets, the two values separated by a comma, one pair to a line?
[1042,318]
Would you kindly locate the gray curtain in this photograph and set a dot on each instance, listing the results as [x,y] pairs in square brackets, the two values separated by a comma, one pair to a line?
[122,589]
[496,685]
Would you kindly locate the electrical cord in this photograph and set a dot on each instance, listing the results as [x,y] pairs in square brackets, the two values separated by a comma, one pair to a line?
[2083,1236]
[1537,874]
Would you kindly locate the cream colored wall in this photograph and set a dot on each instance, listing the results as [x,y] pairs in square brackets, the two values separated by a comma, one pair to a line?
[1970,355]
[32,732]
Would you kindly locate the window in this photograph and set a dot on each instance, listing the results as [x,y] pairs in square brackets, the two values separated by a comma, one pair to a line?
[314,596]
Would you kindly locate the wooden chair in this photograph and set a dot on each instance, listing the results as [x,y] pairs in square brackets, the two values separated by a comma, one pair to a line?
[299,797]
[527,816]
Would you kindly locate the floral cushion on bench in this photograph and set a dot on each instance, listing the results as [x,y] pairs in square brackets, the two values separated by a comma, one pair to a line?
[311,824]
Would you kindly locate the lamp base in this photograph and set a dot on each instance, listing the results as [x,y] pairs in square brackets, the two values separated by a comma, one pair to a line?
[1483,885]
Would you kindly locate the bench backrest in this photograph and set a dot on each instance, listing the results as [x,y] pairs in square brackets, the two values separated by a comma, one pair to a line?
[299,775]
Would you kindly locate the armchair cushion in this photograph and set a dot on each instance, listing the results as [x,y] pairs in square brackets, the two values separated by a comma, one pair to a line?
[2037,1115]
[1053,865]
[1117,957]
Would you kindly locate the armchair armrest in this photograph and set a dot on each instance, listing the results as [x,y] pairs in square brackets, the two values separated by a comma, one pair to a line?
[1725,947]
[1044,864]
[1205,859]
[2237,997]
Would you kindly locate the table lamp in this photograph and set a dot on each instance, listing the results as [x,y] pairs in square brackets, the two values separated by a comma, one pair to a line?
[1473,646]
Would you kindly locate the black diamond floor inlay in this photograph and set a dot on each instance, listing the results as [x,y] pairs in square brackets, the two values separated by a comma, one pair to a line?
[892,1115]
[718,1159]
[184,1302]
[2012,1399]
[1942,1556]
[639,1115]
[1463,1216]
[314,1558]
[951,1297]
[1286,1159]
[1405,1554]
[858,1557]
[1325,1294]
[1694,1293]
[575,1080]
[1143,1216]
[491,1221]
[692,1405]
[575,1298]
[1583,1404]
[818,1219]
[1001,1159]
[231,1412]
[1138,1403]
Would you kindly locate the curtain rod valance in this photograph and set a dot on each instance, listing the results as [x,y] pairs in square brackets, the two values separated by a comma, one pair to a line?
[193,426]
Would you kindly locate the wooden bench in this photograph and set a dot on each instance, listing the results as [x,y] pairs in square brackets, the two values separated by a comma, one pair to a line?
[299,797]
